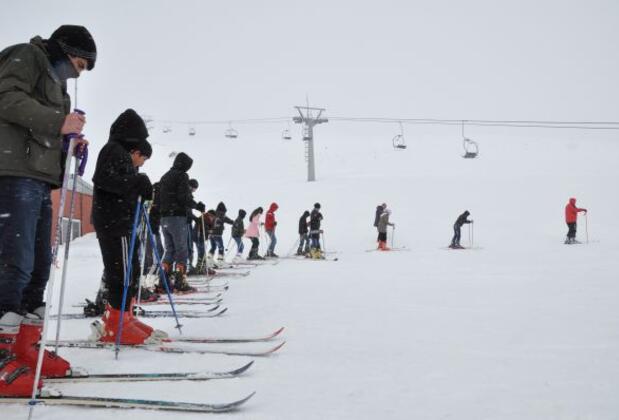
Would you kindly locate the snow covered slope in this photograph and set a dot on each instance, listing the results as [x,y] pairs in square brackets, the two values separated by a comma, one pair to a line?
[521,327]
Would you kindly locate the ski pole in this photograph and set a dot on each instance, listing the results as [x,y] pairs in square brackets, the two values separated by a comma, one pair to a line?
[68,235]
[587,227]
[128,274]
[162,273]
[50,284]
[144,248]
[324,242]
[392,235]
[296,243]
[204,242]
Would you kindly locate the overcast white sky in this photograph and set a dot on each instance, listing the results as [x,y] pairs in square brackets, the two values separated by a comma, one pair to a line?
[208,60]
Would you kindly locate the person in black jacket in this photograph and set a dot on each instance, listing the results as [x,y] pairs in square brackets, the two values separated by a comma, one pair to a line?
[379,210]
[315,232]
[303,235]
[462,219]
[217,231]
[117,186]
[176,198]
[238,230]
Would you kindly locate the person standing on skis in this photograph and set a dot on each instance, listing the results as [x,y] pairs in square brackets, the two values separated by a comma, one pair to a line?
[315,232]
[269,226]
[379,210]
[253,233]
[34,117]
[117,186]
[462,219]
[176,199]
[571,217]
[238,230]
[217,232]
[383,222]
[304,240]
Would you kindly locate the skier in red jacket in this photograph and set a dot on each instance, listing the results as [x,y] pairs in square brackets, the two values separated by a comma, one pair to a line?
[269,227]
[571,215]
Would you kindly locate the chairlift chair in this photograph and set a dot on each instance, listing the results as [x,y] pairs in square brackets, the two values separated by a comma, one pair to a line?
[231,133]
[192,131]
[471,149]
[166,129]
[286,135]
[398,140]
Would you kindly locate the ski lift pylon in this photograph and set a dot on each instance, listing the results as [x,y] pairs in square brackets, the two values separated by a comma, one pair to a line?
[398,140]
[471,148]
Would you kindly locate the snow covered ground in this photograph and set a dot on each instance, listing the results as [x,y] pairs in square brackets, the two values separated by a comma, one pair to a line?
[521,327]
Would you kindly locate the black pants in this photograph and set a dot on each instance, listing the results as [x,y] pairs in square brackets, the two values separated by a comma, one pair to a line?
[114,270]
[571,230]
[255,243]
[382,236]
[456,239]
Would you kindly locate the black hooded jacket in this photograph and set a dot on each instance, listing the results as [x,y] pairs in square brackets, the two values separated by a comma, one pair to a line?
[379,211]
[315,219]
[116,183]
[238,227]
[303,229]
[174,191]
[220,219]
[462,219]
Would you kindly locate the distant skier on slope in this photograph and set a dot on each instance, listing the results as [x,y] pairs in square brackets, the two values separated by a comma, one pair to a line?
[238,230]
[571,216]
[253,233]
[269,226]
[217,231]
[383,223]
[304,240]
[462,219]
[315,232]
[379,210]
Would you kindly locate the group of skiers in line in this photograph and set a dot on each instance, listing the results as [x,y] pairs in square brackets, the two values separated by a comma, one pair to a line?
[381,222]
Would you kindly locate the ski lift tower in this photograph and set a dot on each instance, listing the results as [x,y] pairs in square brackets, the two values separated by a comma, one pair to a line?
[308,134]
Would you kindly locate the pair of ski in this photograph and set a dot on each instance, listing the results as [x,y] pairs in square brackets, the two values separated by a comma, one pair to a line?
[165,346]
[52,397]
[210,313]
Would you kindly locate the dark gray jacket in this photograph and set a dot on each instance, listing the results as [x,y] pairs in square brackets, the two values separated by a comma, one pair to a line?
[33,106]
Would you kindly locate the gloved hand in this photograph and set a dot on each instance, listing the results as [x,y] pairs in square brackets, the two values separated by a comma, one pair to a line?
[201,207]
[144,187]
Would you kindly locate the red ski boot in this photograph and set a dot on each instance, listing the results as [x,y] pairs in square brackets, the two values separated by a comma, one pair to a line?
[147,329]
[27,350]
[131,333]
[16,378]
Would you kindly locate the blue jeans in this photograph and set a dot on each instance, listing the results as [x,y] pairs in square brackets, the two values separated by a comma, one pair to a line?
[175,238]
[25,242]
[273,241]
[217,242]
[239,245]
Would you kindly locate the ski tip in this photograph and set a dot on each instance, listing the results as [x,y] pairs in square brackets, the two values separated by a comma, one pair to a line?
[223,311]
[279,346]
[243,369]
[278,331]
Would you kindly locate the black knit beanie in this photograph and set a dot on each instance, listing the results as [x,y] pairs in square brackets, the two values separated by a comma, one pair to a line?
[193,183]
[76,41]
[144,148]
